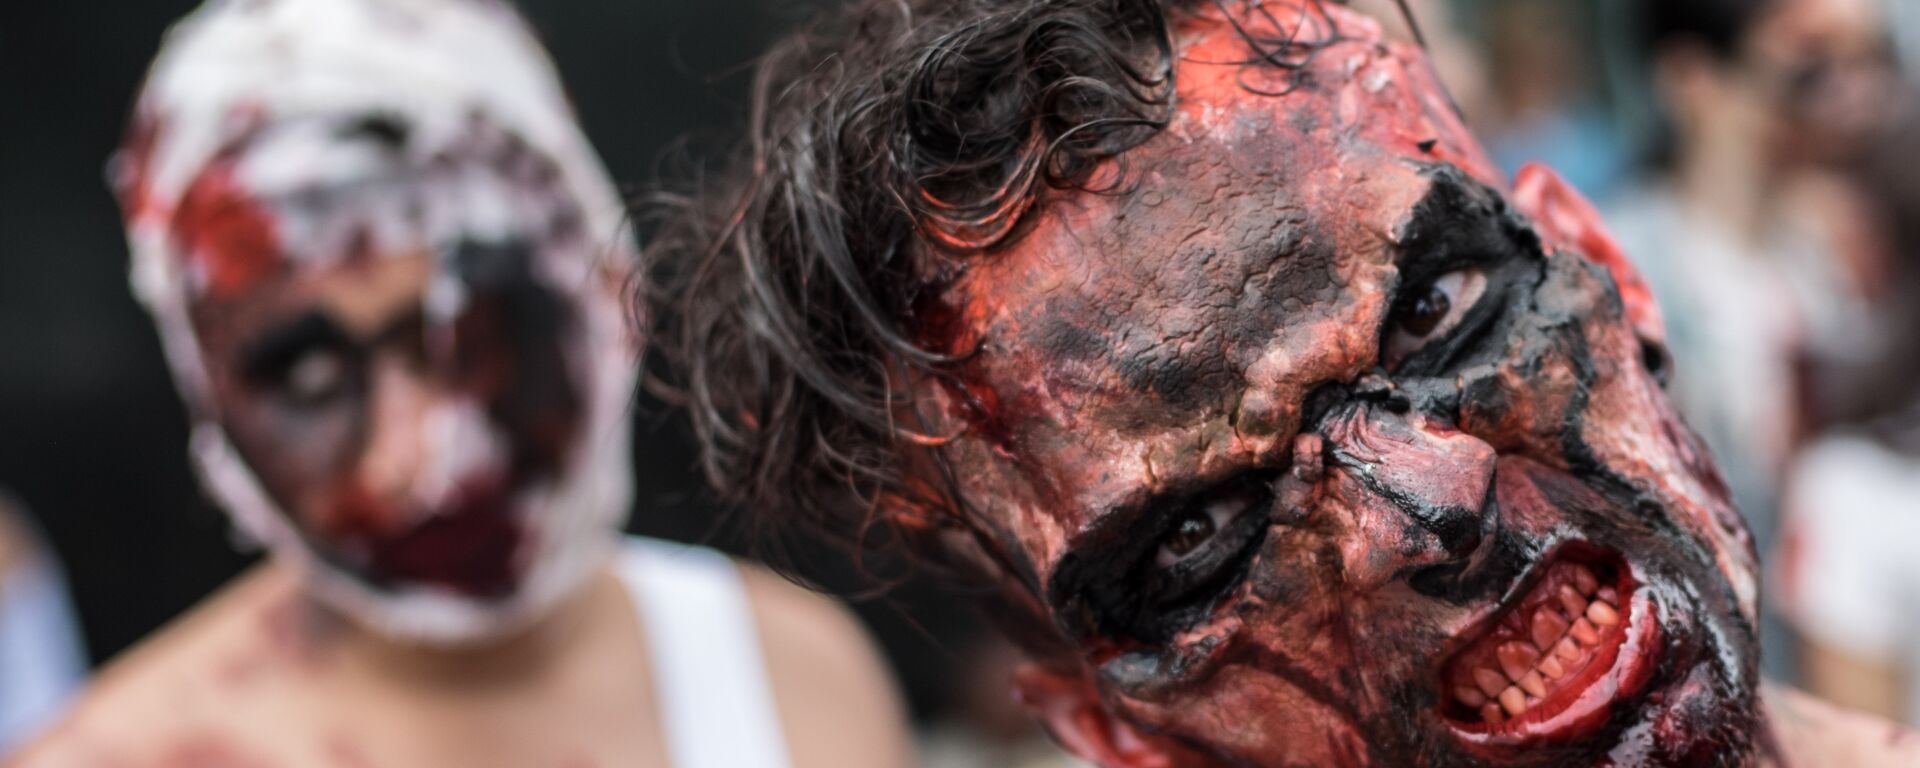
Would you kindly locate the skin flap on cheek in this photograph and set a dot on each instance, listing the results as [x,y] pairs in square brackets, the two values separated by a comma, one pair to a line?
[1568,221]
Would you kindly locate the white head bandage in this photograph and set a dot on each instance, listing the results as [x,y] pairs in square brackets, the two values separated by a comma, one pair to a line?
[260,88]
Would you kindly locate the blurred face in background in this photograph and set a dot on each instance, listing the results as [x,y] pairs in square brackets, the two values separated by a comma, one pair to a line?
[384,264]
[1808,82]
[404,383]
[410,360]
[1827,68]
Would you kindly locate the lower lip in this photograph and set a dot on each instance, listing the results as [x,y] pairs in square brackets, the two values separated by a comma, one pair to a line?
[1619,669]
[471,549]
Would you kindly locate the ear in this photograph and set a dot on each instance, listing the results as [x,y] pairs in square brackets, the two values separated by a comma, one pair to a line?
[1071,710]
[1567,221]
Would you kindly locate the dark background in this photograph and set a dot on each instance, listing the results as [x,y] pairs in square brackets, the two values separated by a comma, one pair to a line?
[92,436]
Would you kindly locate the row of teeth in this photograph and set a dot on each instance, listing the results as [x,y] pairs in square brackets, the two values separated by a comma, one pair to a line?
[1568,626]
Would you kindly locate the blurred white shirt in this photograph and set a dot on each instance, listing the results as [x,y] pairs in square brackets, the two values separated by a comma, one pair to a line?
[1734,320]
[1852,576]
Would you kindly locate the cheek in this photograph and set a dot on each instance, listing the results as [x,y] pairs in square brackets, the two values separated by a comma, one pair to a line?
[1250,716]
[1520,409]
[1633,429]
[1574,391]
[519,356]
[297,454]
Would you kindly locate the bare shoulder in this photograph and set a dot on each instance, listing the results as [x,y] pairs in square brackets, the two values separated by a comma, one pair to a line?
[1813,732]
[174,694]
[837,700]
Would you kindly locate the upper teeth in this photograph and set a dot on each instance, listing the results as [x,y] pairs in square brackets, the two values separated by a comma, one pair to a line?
[1567,626]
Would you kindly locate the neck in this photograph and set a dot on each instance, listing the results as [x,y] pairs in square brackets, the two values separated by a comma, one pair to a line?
[523,655]
[1720,178]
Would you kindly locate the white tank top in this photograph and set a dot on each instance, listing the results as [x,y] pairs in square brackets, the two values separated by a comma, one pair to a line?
[716,706]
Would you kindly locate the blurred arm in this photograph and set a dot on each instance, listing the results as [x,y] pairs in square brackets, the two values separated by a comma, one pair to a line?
[41,663]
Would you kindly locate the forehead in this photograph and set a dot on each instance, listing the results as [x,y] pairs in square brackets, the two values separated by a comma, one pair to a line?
[1167,333]
[309,196]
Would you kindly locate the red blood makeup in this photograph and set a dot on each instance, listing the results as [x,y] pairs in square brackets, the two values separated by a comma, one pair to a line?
[1325,453]
[385,266]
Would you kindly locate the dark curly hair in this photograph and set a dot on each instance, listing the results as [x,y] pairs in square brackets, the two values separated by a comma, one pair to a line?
[887,146]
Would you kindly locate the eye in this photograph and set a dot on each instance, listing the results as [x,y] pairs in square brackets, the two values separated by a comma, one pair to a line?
[305,363]
[1206,539]
[1430,312]
[315,377]
[1192,531]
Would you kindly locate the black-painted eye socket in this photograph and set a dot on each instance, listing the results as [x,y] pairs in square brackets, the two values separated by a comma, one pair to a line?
[1205,541]
[306,363]
[1167,569]
[1653,356]
[1431,312]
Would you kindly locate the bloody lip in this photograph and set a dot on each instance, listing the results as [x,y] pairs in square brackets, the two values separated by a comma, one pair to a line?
[1551,665]
[472,546]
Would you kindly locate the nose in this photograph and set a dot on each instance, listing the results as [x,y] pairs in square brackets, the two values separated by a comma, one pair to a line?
[1410,494]
[394,452]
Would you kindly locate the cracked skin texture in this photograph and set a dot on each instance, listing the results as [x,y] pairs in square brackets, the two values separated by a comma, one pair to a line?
[1222,314]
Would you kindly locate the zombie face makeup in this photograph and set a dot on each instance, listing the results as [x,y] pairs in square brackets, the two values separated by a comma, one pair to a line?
[1326,450]
[380,255]
[402,388]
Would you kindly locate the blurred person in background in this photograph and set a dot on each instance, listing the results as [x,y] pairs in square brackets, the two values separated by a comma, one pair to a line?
[1699,227]
[1833,83]
[387,270]
[41,658]
[1541,104]
[1849,578]
[1704,223]
[1759,238]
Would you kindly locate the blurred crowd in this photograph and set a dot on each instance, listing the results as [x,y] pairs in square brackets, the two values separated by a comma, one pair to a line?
[1760,159]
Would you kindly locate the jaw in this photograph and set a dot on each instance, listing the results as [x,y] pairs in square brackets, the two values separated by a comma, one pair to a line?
[1662,673]
[1670,681]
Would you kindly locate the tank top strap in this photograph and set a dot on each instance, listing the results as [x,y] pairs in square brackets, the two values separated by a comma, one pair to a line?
[716,702]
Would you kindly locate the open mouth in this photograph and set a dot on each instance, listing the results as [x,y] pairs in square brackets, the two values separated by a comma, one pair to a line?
[471,547]
[1551,663]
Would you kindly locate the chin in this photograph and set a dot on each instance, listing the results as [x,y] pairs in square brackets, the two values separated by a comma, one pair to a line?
[477,573]
[432,613]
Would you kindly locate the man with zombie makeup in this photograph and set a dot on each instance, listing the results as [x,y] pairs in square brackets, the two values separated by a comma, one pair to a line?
[1280,429]
[387,270]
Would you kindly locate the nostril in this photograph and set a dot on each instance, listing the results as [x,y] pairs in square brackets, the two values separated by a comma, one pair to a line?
[1376,388]
[1440,582]
[1456,528]
[1321,403]
[1373,387]
[1459,532]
